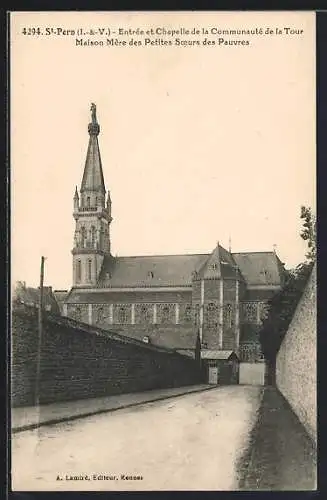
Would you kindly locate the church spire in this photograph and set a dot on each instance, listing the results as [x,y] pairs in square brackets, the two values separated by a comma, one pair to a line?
[93,180]
[92,216]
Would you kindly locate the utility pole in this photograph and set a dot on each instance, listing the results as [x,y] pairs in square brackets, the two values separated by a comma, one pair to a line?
[39,344]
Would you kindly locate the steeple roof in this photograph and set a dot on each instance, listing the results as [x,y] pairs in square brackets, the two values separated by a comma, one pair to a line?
[93,175]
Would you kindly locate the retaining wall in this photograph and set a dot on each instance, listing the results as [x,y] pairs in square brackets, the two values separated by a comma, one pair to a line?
[296,376]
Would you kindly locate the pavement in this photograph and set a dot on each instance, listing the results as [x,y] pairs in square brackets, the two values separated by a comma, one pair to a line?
[281,455]
[31,417]
[229,438]
[190,442]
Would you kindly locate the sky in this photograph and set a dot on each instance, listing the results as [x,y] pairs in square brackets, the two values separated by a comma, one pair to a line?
[198,144]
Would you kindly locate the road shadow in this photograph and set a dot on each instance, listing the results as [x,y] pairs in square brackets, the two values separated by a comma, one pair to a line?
[280,455]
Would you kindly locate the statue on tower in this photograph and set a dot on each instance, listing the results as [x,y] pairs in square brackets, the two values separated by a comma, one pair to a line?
[93,112]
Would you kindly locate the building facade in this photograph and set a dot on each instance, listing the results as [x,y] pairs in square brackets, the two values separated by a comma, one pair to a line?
[167,300]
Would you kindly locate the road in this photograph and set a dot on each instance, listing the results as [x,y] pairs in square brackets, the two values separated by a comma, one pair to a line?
[192,442]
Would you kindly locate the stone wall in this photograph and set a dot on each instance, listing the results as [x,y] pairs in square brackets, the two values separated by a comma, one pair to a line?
[296,376]
[82,361]
[168,336]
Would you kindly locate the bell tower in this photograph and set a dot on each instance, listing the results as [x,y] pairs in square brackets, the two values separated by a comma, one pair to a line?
[92,214]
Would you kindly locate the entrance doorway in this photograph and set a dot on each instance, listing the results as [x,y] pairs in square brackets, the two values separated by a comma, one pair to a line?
[212,373]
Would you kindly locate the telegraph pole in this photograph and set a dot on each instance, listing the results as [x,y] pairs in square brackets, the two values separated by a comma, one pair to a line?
[39,344]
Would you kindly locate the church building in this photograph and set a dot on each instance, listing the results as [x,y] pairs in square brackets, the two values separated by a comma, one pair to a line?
[167,300]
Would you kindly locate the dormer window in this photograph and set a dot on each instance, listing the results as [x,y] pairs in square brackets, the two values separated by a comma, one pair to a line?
[214,266]
[146,339]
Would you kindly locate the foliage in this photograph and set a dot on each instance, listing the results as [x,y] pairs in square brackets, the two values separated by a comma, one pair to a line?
[16,293]
[281,307]
[308,232]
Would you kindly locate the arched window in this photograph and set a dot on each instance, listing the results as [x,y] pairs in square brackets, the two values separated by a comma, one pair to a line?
[188,314]
[83,236]
[78,271]
[89,270]
[250,312]
[88,202]
[122,315]
[165,314]
[197,314]
[228,315]
[102,241]
[93,234]
[78,314]
[100,314]
[211,311]
[144,314]
[263,311]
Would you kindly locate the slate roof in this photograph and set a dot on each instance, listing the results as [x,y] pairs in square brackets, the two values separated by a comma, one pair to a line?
[260,268]
[78,296]
[157,270]
[93,174]
[256,268]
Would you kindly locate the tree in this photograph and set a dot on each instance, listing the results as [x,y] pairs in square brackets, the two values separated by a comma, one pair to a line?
[308,232]
[17,293]
[282,306]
